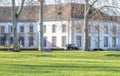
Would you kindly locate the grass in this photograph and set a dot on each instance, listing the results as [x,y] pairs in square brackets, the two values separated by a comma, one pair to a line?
[60,63]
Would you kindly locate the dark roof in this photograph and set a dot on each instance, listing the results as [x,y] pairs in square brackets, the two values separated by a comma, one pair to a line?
[52,12]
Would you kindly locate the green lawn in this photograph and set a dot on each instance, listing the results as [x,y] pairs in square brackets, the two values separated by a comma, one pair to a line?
[60,63]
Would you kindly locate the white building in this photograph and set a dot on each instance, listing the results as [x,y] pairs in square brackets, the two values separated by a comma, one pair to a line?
[61,27]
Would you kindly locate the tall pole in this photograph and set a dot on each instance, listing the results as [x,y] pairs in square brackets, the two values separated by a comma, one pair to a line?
[68,31]
[41,35]
[98,37]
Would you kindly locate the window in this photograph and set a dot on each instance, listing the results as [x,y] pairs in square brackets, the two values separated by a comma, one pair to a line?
[54,41]
[2,40]
[11,40]
[53,28]
[90,28]
[21,28]
[113,41]
[114,30]
[96,41]
[2,29]
[106,29]
[45,42]
[31,41]
[89,41]
[79,28]
[78,41]
[44,28]
[105,41]
[31,28]
[63,28]
[21,41]
[96,29]
[63,41]
[11,28]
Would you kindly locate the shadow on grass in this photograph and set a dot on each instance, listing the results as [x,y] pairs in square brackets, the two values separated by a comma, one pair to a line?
[30,69]
[64,67]
[46,55]
[113,55]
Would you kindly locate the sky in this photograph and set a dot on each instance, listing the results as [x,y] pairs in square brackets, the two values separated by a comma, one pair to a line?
[6,2]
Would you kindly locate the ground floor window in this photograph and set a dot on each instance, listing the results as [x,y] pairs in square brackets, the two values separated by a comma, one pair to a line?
[78,41]
[45,42]
[11,40]
[54,41]
[89,41]
[105,41]
[96,42]
[31,41]
[2,40]
[113,41]
[21,41]
[63,41]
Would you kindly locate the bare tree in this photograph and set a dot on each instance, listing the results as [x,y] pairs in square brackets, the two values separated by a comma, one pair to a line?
[88,14]
[92,10]
[16,15]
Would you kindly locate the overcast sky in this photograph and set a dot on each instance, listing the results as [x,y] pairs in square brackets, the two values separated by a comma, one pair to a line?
[6,2]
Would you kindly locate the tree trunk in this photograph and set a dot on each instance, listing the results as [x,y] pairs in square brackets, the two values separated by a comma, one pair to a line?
[41,33]
[16,15]
[15,35]
[86,33]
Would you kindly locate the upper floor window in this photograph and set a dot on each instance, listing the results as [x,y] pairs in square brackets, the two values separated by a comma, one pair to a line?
[44,28]
[53,28]
[114,30]
[11,28]
[2,29]
[63,28]
[79,28]
[21,28]
[106,29]
[97,28]
[31,28]
[90,28]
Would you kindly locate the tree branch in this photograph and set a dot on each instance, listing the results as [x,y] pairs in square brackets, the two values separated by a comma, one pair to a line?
[20,9]
[101,9]
[94,3]
[87,7]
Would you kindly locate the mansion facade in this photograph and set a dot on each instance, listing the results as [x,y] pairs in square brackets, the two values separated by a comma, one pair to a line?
[60,30]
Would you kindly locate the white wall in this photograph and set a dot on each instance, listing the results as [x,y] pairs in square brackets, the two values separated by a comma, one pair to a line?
[101,34]
[58,34]
[71,32]
[24,34]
